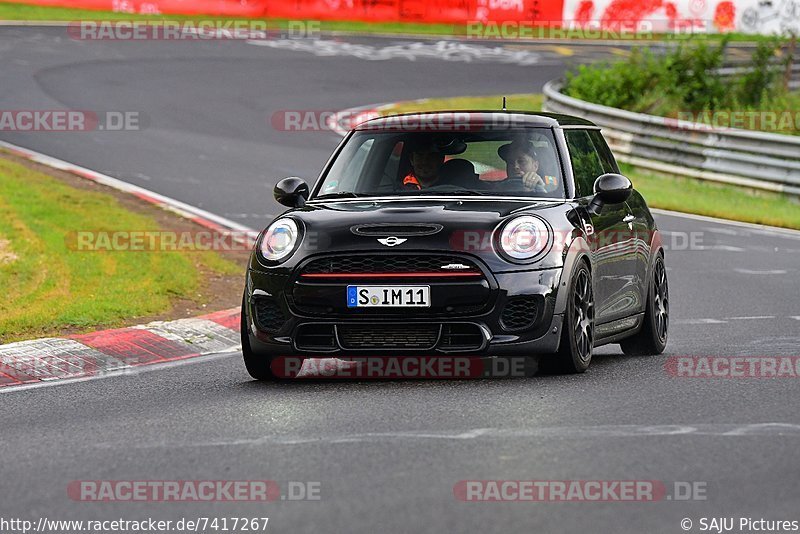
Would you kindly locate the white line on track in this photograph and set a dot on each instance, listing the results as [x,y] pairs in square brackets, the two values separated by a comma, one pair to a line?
[127,371]
[699,321]
[765,272]
[770,230]
[581,432]
[725,231]
[721,248]
[725,320]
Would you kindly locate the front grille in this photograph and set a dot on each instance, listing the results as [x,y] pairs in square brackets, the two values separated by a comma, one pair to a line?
[395,263]
[520,313]
[408,336]
[320,285]
[268,314]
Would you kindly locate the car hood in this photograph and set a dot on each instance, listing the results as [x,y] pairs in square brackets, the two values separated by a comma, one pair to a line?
[462,226]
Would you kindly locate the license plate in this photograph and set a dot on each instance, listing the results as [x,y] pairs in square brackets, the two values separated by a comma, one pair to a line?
[388,296]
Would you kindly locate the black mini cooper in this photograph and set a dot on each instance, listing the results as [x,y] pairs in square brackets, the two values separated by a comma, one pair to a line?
[485,234]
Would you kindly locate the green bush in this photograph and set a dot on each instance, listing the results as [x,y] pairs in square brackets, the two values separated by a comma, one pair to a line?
[687,76]
[686,79]
[760,84]
[617,84]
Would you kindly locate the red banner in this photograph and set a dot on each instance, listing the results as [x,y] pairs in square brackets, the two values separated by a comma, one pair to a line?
[443,11]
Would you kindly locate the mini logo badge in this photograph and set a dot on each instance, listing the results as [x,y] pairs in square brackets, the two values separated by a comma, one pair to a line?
[392,241]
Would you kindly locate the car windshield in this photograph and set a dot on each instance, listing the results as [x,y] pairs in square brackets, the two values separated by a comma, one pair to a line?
[519,162]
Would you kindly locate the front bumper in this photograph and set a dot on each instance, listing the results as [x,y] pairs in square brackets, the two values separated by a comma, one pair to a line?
[283,328]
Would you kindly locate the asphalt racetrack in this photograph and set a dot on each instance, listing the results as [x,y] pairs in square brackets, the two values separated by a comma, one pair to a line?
[387,456]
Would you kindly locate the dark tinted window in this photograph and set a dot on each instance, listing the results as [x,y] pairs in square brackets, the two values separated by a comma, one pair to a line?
[586,164]
[606,157]
[379,162]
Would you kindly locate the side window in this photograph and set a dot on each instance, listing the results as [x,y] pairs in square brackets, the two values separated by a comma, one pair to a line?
[606,157]
[586,164]
[390,175]
[354,165]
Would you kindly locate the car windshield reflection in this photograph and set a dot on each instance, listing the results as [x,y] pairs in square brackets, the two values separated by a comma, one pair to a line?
[482,163]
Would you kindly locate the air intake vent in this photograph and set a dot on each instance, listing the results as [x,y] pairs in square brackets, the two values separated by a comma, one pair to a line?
[389,336]
[315,337]
[398,230]
[269,316]
[461,336]
[520,313]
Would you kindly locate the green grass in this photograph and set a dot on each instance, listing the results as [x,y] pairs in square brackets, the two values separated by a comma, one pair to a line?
[12,11]
[514,102]
[49,287]
[715,200]
[661,191]
[683,84]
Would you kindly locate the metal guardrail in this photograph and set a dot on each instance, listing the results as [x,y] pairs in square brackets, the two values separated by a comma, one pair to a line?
[779,68]
[747,158]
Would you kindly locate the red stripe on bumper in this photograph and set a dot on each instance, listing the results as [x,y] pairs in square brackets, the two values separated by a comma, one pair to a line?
[391,275]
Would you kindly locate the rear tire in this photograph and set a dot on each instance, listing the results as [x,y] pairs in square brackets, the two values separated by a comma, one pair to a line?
[259,367]
[577,332]
[652,338]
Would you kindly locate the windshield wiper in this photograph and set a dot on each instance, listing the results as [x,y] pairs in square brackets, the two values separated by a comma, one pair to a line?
[340,194]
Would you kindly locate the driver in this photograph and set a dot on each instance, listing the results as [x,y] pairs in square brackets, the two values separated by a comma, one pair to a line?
[522,163]
[426,162]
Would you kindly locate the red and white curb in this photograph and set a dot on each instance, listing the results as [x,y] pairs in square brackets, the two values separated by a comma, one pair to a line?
[82,356]
[42,361]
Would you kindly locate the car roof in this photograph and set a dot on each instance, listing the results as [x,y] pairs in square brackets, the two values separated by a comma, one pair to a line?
[525,119]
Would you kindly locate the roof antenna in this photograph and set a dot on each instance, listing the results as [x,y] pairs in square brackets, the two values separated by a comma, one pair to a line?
[504,104]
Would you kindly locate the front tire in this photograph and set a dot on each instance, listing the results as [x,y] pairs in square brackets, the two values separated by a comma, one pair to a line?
[577,333]
[652,338]
[258,366]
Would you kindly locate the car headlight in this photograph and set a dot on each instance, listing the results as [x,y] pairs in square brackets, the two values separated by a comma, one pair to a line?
[280,240]
[523,238]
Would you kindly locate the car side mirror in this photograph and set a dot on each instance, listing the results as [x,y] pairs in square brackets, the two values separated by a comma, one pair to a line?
[609,188]
[292,192]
